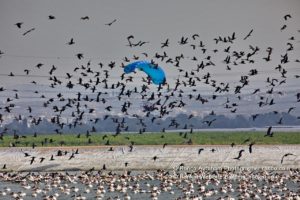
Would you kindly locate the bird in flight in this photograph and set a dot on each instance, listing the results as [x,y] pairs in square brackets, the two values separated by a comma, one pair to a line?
[250,147]
[240,154]
[285,155]
[71,42]
[269,133]
[283,27]
[50,17]
[19,24]
[154,158]
[85,18]
[200,150]
[30,30]
[32,160]
[165,44]
[42,159]
[79,56]
[286,17]
[249,34]
[110,23]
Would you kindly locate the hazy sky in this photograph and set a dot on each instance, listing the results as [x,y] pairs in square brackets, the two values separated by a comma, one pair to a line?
[152,21]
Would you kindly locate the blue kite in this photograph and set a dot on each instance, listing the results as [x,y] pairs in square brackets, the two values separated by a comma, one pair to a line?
[155,72]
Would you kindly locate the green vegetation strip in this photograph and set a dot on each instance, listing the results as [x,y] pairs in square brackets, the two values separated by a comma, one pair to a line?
[196,138]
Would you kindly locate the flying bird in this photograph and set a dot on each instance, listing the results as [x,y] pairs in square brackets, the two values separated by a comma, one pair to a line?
[71,42]
[110,23]
[32,160]
[240,154]
[51,17]
[79,56]
[165,44]
[250,147]
[30,30]
[269,133]
[285,155]
[19,24]
[200,150]
[249,34]
[286,17]
[283,27]
[85,18]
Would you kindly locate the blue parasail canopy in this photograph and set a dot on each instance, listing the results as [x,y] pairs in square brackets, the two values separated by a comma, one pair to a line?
[155,72]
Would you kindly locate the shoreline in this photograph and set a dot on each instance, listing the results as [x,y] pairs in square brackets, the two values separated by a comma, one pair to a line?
[141,158]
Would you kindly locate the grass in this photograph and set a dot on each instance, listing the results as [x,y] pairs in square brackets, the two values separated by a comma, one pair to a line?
[199,138]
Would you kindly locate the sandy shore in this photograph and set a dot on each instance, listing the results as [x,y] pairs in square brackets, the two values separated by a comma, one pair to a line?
[141,158]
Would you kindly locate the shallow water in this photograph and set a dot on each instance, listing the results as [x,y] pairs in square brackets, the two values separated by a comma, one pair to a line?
[146,183]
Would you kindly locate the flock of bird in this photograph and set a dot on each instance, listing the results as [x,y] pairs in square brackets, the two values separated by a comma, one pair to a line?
[160,100]
[153,185]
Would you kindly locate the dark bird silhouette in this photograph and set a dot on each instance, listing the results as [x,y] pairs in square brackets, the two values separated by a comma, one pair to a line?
[77,151]
[280,121]
[29,109]
[72,156]
[52,70]
[71,42]
[286,17]
[32,160]
[209,122]
[110,149]
[51,17]
[183,40]
[283,27]
[4,166]
[164,145]
[130,37]
[110,23]
[19,24]
[30,30]
[85,18]
[129,40]
[240,154]
[165,44]
[26,154]
[26,71]
[200,150]
[269,133]
[79,56]
[285,155]
[39,65]
[250,147]
[249,34]
[290,109]
[194,36]
[108,108]
[155,158]
[42,159]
